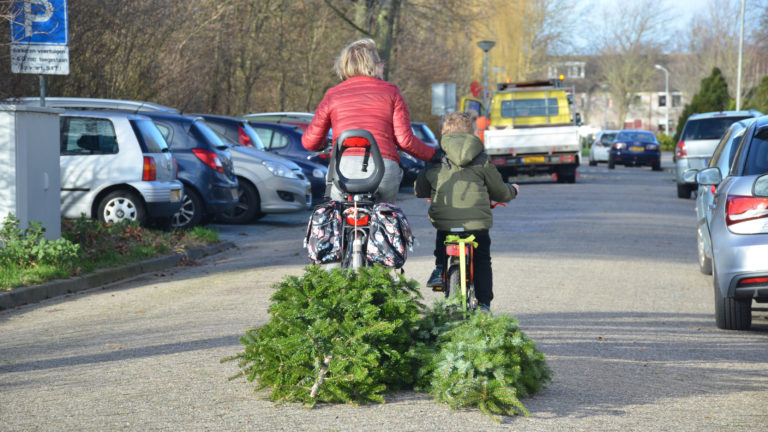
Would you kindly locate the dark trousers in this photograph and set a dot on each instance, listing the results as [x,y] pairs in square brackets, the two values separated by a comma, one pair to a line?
[482,261]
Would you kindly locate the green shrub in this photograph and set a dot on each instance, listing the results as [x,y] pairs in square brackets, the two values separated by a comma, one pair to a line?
[666,141]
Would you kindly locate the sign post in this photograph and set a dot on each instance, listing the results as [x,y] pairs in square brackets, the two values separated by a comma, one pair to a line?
[40,39]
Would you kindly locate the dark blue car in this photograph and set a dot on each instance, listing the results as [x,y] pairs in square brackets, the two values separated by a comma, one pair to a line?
[635,148]
[285,141]
[205,168]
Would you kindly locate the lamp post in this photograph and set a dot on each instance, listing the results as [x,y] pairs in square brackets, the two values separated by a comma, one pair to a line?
[486,46]
[666,92]
[605,88]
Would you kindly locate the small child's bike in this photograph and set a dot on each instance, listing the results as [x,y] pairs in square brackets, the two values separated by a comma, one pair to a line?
[459,269]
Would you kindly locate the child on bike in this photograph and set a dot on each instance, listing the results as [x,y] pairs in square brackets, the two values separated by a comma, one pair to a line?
[462,188]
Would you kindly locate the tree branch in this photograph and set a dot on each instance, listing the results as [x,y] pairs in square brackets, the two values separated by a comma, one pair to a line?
[342,16]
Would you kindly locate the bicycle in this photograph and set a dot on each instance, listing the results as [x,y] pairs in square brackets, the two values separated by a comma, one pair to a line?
[359,194]
[458,268]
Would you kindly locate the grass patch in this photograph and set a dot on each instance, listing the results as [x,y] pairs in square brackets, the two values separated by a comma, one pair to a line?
[26,258]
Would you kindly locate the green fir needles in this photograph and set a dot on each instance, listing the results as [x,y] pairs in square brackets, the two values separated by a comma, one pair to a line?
[340,336]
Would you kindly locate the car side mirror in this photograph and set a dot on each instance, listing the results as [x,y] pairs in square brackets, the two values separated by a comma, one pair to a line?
[709,176]
[689,175]
[761,186]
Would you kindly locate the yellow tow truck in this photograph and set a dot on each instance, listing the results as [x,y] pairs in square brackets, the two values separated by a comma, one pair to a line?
[530,130]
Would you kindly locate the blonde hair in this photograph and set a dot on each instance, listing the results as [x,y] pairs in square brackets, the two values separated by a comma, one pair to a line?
[356,59]
[460,122]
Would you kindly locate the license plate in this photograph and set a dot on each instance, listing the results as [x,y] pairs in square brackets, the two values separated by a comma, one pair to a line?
[234,193]
[534,159]
[176,195]
[637,149]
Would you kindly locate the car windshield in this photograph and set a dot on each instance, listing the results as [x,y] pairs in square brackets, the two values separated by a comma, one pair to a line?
[201,130]
[254,137]
[636,136]
[757,158]
[150,138]
[708,128]
[529,107]
[607,138]
[424,133]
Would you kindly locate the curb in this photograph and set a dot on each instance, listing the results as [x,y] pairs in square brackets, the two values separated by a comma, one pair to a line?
[35,293]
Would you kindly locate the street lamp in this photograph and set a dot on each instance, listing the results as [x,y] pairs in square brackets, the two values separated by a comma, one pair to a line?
[666,92]
[486,46]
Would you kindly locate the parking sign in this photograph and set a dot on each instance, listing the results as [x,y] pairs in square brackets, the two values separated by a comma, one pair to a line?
[39,37]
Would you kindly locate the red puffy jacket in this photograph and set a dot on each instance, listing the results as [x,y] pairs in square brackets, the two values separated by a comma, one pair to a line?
[368,103]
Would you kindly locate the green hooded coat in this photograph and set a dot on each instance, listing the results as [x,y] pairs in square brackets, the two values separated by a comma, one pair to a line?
[462,189]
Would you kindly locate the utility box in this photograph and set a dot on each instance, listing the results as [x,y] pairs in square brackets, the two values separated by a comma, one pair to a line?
[30,187]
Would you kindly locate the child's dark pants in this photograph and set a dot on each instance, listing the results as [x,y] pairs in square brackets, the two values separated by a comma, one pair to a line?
[482,264]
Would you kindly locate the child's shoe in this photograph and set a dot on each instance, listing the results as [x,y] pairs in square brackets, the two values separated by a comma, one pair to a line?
[436,279]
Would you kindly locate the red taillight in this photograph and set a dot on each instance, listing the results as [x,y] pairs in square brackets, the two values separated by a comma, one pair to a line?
[754,281]
[357,218]
[149,172]
[209,158]
[243,138]
[356,142]
[680,150]
[745,208]
[452,250]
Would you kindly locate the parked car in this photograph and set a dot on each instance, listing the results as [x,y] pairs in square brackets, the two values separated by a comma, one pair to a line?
[738,228]
[601,146]
[722,158]
[298,119]
[635,148]
[116,166]
[285,140]
[698,139]
[205,168]
[424,133]
[269,183]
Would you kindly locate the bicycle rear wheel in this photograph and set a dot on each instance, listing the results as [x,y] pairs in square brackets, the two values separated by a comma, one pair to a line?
[453,284]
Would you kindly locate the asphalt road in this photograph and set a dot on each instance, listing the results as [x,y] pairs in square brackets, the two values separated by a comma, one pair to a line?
[602,274]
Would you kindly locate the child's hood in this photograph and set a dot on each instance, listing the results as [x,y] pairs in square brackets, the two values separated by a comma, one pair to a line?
[461,148]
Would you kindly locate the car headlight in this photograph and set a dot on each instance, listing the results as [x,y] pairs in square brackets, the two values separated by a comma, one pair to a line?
[407,156]
[318,173]
[279,170]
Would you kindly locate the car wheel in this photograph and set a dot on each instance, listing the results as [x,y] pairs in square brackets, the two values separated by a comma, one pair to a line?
[611,163]
[592,162]
[122,205]
[683,191]
[656,166]
[705,263]
[191,212]
[731,313]
[248,204]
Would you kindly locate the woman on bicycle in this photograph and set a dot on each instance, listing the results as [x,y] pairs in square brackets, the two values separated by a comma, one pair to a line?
[462,190]
[365,101]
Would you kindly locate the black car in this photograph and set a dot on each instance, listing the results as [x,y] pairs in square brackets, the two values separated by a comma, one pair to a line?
[635,148]
[205,168]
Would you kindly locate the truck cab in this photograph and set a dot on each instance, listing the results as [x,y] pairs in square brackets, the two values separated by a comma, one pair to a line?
[530,129]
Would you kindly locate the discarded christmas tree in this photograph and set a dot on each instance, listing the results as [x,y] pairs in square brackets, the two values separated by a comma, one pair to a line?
[340,336]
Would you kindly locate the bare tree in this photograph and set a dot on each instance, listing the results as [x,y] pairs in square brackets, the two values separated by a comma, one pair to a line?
[629,48]
[713,41]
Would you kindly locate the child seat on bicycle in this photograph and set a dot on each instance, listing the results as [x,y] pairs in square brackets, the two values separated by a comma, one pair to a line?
[462,187]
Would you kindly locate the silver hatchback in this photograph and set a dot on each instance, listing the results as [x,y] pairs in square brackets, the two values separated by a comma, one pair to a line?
[698,140]
[116,166]
[738,226]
